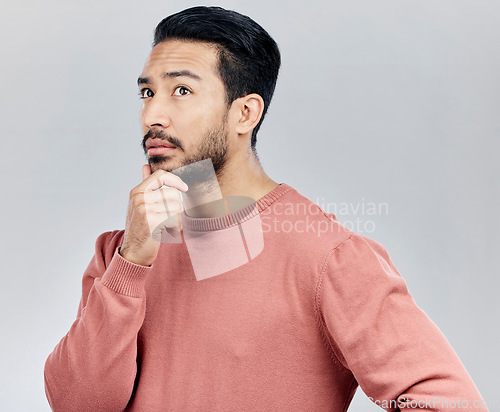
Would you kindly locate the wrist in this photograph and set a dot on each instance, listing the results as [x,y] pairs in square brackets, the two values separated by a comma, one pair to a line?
[125,254]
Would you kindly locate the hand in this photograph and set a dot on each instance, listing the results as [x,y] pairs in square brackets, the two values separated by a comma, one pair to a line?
[150,211]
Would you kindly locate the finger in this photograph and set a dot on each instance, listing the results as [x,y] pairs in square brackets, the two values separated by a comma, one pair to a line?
[157,217]
[167,209]
[170,226]
[160,178]
[163,195]
[146,172]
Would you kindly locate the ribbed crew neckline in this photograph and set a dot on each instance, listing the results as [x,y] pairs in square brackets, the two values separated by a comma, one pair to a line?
[204,224]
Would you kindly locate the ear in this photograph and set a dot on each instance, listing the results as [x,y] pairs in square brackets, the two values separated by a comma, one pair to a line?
[248,112]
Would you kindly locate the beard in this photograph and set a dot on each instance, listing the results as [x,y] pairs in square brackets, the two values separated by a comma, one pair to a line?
[214,146]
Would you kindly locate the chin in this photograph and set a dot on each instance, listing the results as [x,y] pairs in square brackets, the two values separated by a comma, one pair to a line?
[157,163]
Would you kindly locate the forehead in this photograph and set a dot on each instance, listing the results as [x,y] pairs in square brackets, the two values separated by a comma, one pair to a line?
[178,55]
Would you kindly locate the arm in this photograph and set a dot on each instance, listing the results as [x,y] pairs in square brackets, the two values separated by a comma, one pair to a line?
[376,330]
[93,367]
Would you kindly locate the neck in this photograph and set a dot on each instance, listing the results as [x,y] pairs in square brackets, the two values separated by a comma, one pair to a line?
[241,182]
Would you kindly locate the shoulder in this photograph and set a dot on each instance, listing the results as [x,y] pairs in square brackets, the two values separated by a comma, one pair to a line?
[360,247]
[337,237]
[294,214]
[360,268]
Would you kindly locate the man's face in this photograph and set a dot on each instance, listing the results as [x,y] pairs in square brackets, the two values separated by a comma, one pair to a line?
[184,106]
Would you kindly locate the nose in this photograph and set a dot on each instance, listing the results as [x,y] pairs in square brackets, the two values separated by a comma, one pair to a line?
[154,113]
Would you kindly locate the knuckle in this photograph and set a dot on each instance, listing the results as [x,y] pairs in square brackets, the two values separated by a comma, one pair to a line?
[137,201]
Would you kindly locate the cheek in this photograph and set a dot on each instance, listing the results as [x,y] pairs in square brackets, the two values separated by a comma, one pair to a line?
[144,128]
[190,123]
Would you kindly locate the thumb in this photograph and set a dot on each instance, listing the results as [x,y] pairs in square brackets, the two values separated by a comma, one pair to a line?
[146,172]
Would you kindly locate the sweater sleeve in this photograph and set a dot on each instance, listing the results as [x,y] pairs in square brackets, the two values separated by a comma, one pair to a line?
[93,367]
[396,353]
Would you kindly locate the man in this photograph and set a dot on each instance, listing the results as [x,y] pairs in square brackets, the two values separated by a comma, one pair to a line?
[218,299]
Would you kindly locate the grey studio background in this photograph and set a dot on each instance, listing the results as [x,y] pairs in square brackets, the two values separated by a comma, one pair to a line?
[386,104]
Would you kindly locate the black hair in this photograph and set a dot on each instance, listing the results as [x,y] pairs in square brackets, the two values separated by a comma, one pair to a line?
[248,57]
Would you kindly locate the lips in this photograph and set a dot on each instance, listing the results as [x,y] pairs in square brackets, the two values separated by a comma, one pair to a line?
[152,143]
[155,151]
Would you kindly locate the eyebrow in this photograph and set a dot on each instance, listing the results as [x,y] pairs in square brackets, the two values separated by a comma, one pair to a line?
[179,73]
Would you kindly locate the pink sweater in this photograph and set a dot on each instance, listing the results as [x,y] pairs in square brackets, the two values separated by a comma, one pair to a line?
[317,311]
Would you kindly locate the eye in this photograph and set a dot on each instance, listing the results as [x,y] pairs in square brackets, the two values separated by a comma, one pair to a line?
[145,93]
[181,91]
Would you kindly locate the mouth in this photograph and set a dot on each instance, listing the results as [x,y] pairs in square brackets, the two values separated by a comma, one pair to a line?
[159,150]
[157,146]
